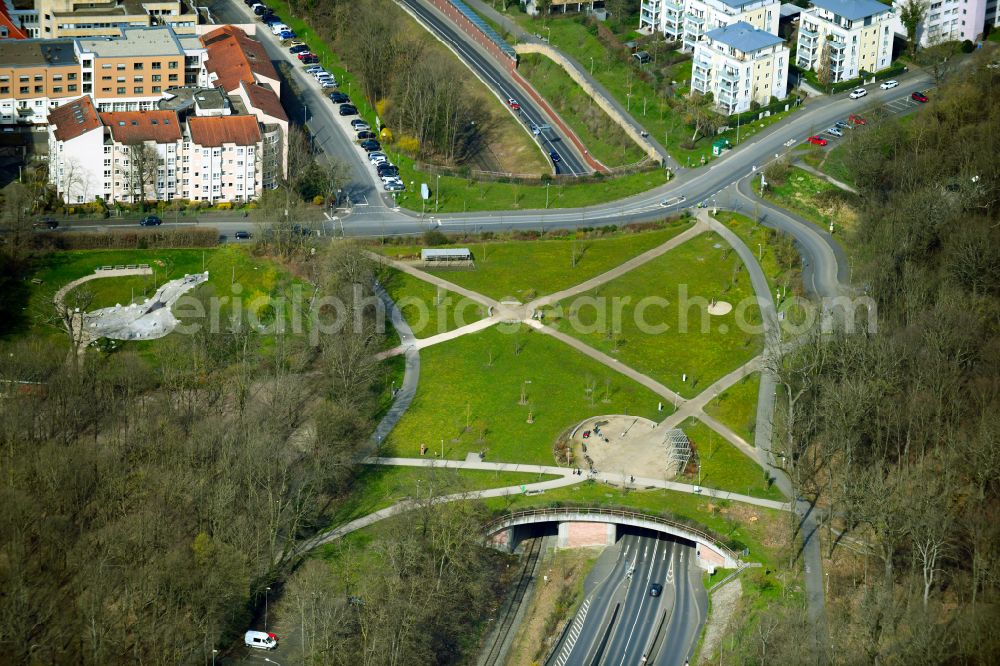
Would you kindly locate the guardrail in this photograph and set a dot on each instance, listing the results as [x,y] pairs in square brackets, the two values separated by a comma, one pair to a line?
[614,513]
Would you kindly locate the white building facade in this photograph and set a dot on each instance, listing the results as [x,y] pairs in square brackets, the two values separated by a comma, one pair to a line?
[740,64]
[856,35]
[949,20]
[688,20]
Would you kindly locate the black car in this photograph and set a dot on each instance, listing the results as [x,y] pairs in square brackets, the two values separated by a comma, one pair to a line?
[555,156]
[348,110]
[242,235]
[150,221]
[371,145]
[364,135]
[338,97]
[46,223]
[309,59]
[249,3]
[387,169]
[260,11]
[298,49]
[655,590]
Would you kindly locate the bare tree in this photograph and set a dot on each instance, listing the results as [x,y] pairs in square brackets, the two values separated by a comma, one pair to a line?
[143,170]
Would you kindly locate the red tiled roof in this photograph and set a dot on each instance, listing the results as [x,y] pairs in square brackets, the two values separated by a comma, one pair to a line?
[234,57]
[217,130]
[74,119]
[130,127]
[265,100]
[14,31]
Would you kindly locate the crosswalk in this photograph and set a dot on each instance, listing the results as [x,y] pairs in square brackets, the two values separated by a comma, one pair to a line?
[574,633]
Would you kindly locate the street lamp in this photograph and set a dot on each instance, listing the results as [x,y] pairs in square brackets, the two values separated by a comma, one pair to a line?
[266,590]
[591,65]
[547,194]
[437,193]
[214,652]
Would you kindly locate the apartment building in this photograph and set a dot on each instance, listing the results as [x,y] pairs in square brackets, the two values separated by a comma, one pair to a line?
[949,20]
[36,76]
[10,27]
[87,18]
[23,16]
[856,36]
[740,64]
[688,20]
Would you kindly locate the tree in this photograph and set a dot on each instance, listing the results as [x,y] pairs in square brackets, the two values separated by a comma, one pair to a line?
[15,221]
[143,169]
[824,73]
[911,13]
[698,113]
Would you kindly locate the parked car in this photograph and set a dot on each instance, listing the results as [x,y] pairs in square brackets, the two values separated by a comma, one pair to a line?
[888,85]
[377,158]
[842,124]
[45,223]
[386,170]
[918,96]
[250,3]
[555,157]
[655,590]
[242,235]
[513,103]
[858,93]
[364,135]
[358,124]
[297,49]
[279,28]
[313,70]
[150,221]
[371,145]
[327,84]
[817,140]
[303,52]
[339,98]
[320,73]
[394,186]
[833,131]
[286,34]
[310,59]
[856,119]
[348,110]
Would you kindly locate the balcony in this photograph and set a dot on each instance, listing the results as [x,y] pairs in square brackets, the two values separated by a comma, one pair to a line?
[695,20]
[729,76]
[806,35]
[727,96]
[671,5]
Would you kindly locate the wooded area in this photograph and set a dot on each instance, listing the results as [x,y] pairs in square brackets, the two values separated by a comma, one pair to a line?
[896,434]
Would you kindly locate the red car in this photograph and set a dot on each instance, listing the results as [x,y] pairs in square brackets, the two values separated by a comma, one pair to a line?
[817,140]
[918,96]
[303,55]
[856,119]
[513,103]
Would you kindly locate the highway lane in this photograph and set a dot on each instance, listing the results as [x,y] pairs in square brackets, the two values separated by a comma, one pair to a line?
[492,74]
[681,632]
[650,562]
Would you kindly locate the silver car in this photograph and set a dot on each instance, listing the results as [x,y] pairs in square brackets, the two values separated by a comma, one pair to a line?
[833,131]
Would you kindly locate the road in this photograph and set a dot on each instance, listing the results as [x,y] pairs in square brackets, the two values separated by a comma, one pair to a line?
[619,622]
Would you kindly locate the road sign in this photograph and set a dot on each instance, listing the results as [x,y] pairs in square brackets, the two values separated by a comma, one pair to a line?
[425,192]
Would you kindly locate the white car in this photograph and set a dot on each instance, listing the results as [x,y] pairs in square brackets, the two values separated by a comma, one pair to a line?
[279,28]
[313,69]
[321,74]
[858,93]
[888,85]
[377,158]
[834,131]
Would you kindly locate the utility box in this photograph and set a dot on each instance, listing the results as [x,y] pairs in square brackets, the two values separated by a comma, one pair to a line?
[720,145]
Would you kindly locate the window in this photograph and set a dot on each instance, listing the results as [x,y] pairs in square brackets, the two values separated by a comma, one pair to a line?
[71,87]
[136,79]
[156,65]
[120,67]
[56,90]
[106,66]
[4,90]
[121,79]
[39,89]
[157,78]
[171,77]
[105,78]
[156,89]
[56,77]
[137,90]
[121,91]
[172,64]
[137,65]
[71,76]
[39,77]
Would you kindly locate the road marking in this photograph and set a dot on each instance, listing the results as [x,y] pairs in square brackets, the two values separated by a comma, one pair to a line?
[574,633]
[642,602]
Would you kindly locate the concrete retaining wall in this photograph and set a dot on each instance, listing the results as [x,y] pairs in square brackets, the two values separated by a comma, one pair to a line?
[475,33]
[602,101]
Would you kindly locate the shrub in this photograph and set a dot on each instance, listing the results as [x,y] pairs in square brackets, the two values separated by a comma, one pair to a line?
[435,237]
[318,200]
[968,46]
[225,205]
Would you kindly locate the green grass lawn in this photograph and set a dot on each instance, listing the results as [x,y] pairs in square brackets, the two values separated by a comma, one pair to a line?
[602,136]
[528,269]
[380,486]
[730,521]
[256,281]
[736,407]
[760,240]
[478,379]
[693,343]
[810,197]
[725,467]
[428,309]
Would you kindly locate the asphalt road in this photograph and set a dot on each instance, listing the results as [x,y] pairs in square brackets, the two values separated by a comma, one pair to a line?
[494,76]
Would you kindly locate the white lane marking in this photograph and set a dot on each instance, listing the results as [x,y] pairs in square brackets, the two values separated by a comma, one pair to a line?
[575,630]
[642,601]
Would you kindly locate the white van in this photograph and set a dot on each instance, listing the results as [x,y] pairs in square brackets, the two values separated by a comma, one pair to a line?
[278,28]
[260,640]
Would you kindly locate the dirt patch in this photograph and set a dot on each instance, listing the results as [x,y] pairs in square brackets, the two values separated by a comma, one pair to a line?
[724,602]
[545,617]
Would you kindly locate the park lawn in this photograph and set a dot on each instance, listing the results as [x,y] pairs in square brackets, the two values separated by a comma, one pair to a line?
[760,238]
[460,385]
[695,344]
[816,200]
[833,165]
[763,531]
[528,269]
[723,466]
[603,137]
[736,407]
[428,309]
[380,486]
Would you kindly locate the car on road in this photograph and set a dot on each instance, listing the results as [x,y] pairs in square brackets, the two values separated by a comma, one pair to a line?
[150,221]
[513,103]
[371,145]
[364,135]
[339,98]
[833,131]
[45,223]
[858,93]
[260,640]
[817,140]
[856,119]
[357,124]
[918,96]
[348,110]
[242,235]
[555,157]
[298,49]
[655,590]
[672,201]
[888,85]
[535,129]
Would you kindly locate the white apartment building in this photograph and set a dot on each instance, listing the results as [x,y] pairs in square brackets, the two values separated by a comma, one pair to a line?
[856,33]
[740,64]
[688,20]
[948,20]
